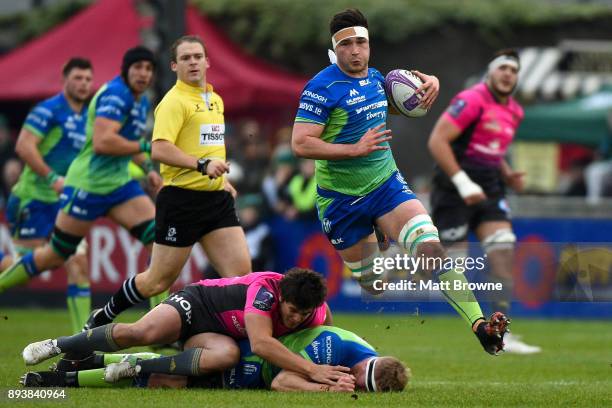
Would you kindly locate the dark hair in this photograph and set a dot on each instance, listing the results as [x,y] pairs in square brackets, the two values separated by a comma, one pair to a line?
[347,18]
[76,62]
[183,39]
[134,55]
[304,288]
[510,52]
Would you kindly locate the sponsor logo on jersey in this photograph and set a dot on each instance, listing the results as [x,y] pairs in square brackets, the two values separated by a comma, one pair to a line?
[212,134]
[314,96]
[376,115]
[264,300]
[456,108]
[315,351]
[311,108]
[380,88]
[355,100]
[375,105]
[237,325]
[364,82]
[328,349]
[355,97]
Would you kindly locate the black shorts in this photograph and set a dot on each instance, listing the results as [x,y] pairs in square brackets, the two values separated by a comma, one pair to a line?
[196,317]
[454,219]
[184,216]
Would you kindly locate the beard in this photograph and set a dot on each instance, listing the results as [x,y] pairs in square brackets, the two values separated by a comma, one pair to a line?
[495,88]
[76,97]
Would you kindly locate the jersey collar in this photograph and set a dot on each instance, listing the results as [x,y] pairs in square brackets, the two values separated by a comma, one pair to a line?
[184,86]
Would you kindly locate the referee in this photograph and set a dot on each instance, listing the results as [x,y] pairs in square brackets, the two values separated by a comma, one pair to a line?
[196,203]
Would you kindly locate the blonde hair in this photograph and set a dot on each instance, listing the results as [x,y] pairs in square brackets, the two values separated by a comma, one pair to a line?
[391,374]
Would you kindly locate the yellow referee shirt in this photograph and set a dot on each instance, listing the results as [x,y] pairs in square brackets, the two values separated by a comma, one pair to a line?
[192,119]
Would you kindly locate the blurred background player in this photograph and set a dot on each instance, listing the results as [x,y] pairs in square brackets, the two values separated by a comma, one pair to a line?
[97,183]
[469,143]
[368,371]
[196,203]
[341,124]
[51,137]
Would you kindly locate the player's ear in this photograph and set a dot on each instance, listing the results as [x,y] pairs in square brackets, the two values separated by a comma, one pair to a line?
[173,66]
[207,62]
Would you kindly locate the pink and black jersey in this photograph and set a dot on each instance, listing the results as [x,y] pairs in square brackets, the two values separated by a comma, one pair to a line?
[229,299]
[487,129]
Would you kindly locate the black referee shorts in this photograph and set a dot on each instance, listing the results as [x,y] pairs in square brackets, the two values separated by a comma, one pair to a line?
[184,216]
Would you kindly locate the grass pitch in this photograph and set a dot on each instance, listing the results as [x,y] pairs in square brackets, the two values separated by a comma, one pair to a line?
[448,366]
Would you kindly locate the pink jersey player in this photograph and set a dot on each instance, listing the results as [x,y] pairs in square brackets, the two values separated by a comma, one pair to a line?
[228,300]
[487,126]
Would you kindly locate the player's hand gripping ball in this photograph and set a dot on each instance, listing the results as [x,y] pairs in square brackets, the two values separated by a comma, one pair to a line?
[400,86]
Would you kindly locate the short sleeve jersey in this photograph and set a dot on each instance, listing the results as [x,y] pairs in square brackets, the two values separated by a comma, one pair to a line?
[192,119]
[257,292]
[487,126]
[62,136]
[347,107]
[321,345]
[100,173]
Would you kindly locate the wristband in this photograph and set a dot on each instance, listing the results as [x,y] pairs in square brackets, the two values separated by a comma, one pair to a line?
[465,185]
[51,177]
[145,146]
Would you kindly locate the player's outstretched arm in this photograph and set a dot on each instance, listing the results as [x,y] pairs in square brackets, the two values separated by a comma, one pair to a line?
[106,139]
[259,330]
[291,381]
[306,142]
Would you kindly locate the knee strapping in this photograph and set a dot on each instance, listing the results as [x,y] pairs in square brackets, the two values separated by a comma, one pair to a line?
[500,239]
[63,243]
[364,270]
[144,232]
[417,230]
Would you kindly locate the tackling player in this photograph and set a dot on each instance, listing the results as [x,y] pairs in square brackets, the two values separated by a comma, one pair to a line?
[260,306]
[320,345]
[341,124]
[469,143]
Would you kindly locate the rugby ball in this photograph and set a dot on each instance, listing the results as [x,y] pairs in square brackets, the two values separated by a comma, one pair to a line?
[400,86]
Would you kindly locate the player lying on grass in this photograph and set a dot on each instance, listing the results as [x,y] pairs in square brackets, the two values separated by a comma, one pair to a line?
[320,345]
[260,306]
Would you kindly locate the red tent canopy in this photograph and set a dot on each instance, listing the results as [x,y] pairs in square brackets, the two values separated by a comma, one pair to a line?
[102,33]
[243,81]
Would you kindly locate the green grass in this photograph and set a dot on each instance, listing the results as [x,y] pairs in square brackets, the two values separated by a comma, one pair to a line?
[449,368]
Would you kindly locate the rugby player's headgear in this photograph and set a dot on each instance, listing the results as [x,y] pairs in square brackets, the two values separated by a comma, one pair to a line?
[133,55]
